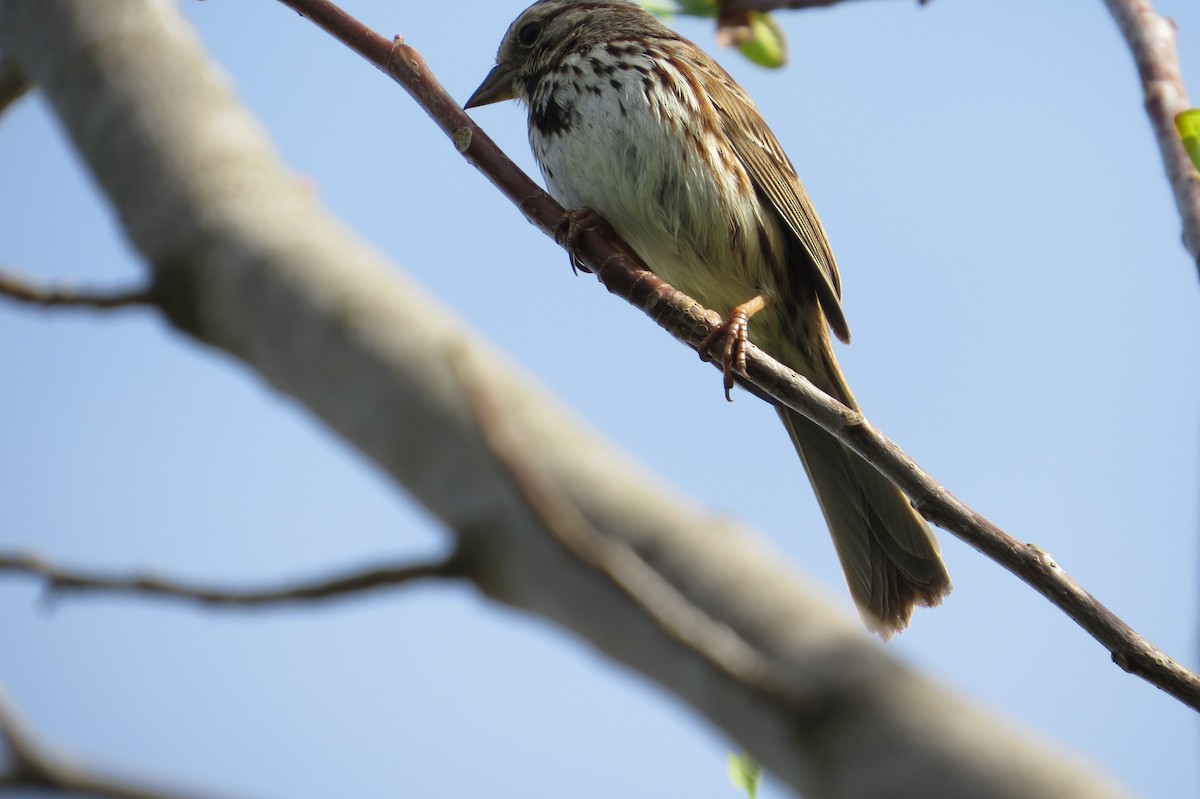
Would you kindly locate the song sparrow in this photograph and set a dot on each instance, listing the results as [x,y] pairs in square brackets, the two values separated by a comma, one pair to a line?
[636,123]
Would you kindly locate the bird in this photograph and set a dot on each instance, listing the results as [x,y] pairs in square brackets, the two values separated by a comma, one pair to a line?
[632,122]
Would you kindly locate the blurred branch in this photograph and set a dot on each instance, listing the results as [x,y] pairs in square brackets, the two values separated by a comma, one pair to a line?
[20,289]
[1151,40]
[617,561]
[30,765]
[59,580]
[624,275]
[13,83]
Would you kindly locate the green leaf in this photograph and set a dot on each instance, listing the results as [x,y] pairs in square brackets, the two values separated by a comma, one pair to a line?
[1188,125]
[744,773]
[764,42]
[664,11]
[767,45]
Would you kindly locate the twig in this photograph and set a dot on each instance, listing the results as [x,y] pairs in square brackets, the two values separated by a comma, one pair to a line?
[21,289]
[675,614]
[623,274]
[13,83]
[772,5]
[59,580]
[1151,39]
[32,765]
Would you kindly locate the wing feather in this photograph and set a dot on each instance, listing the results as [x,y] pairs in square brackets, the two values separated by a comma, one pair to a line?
[773,175]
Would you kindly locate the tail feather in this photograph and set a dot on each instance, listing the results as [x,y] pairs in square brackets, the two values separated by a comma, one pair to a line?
[890,557]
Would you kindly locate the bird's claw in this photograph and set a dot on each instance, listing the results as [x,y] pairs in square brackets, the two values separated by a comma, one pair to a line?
[733,352]
[571,227]
[735,330]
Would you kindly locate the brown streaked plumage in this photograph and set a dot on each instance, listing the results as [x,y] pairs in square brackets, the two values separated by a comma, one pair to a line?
[636,123]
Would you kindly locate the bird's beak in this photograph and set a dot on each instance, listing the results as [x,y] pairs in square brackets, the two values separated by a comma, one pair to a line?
[497,86]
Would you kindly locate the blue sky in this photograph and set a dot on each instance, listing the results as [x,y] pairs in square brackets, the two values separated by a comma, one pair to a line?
[1025,324]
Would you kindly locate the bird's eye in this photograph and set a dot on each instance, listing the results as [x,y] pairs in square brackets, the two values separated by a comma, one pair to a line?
[529,33]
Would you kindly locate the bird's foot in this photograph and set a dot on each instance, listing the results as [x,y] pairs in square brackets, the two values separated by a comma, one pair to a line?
[734,331]
[572,225]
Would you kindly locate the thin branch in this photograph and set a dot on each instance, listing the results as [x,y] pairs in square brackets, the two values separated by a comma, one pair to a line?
[21,289]
[773,5]
[733,16]
[623,274]
[1151,39]
[59,580]
[13,83]
[679,617]
[1129,650]
[32,765]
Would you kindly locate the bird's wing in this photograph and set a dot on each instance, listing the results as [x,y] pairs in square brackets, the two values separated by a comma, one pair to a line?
[773,175]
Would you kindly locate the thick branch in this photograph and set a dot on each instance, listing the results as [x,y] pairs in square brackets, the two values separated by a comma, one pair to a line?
[32,766]
[60,580]
[1151,39]
[624,275]
[620,563]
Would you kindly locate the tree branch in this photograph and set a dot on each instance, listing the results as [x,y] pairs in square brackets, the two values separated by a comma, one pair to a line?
[623,274]
[620,563]
[23,290]
[1151,40]
[774,5]
[32,766]
[59,580]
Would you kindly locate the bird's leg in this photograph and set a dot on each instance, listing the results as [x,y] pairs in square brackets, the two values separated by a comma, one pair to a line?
[734,330]
[569,229]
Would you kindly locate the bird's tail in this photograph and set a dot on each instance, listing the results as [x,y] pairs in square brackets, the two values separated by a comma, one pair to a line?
[888,553]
